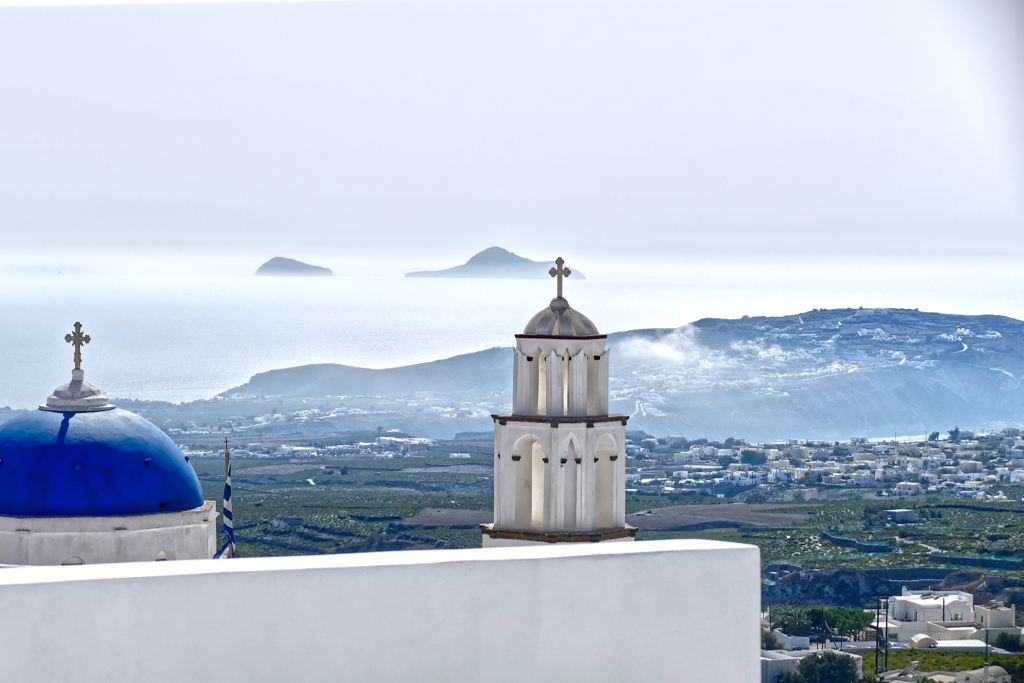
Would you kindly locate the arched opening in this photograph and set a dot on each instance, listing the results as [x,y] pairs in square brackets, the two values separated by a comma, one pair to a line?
[593,382]
[538,382]
[530,486]
[164,555]
[571,468]
[72,560]
[537,496]
[542,383]
[577,399]
[555,371]
[565,382]
[604,495]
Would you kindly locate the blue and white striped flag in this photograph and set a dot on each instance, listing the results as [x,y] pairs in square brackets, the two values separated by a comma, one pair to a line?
[229,522]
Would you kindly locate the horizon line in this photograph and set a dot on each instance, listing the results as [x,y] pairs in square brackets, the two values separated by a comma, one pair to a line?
[116,3]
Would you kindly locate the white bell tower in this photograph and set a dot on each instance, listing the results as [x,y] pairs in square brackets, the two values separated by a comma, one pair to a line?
[559,456]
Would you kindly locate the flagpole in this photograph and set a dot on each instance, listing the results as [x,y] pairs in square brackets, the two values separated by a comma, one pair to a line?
[229,522]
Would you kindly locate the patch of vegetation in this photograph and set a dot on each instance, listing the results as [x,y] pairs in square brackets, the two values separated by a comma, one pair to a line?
[349,505]
[1010,642]
[827,667]
[934,660]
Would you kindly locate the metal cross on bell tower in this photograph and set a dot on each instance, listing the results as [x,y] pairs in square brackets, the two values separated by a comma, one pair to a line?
[77,339]
[559,272]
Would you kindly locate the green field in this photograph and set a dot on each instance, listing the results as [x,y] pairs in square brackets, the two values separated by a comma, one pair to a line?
[947,524]
[279,512]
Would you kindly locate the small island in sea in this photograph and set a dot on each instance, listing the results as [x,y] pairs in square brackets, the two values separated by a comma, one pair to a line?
[286,267]
[496,262]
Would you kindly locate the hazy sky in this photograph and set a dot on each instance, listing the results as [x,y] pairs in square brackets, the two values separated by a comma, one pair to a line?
[598,128]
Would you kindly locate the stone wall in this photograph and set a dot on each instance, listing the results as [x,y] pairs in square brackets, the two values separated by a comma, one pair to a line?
[859,546]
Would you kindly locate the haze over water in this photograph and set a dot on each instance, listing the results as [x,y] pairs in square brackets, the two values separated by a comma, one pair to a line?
[188,326]
[693,159]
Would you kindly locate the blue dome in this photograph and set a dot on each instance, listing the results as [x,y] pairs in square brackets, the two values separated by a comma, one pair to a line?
[91,464]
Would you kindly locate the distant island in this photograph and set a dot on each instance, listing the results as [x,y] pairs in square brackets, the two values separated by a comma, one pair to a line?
[497,263]
[286,267]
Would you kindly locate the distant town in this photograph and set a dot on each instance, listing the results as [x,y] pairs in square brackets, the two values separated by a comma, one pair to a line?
[959,462]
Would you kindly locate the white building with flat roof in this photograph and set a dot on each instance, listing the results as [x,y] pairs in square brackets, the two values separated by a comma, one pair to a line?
[901,516]
[945,616]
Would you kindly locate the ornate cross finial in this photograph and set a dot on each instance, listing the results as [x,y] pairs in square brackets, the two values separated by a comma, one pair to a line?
[559,272]
[77,339]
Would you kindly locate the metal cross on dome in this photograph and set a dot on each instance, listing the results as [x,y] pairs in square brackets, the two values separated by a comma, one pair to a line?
[77,339]
[559,272]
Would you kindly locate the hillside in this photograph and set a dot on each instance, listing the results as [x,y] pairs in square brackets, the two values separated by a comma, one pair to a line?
[472,374]
[827,374]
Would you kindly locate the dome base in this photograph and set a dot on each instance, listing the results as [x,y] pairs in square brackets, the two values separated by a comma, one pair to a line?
[77,396]
[76,409]
[186,535]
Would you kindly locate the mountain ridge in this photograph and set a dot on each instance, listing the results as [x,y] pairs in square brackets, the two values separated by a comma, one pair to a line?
[827,374]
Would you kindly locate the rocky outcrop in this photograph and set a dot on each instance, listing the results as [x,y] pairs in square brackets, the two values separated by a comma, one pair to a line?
[837,588]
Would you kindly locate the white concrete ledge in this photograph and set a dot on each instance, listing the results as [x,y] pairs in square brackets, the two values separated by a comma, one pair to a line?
[649,611]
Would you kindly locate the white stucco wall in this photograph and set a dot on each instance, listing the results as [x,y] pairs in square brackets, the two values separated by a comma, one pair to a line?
[682,610]
[185,535]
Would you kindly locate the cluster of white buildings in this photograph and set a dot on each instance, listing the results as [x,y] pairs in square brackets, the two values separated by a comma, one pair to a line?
[945,620]
[968,467]
[938,620]
[383,446]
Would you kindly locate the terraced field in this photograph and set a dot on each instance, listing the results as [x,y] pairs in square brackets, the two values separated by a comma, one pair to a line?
[288,506]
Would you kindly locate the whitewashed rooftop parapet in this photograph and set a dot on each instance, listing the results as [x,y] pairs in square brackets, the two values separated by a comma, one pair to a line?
[561,612]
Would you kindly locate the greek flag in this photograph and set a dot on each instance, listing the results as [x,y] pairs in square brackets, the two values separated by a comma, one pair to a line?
[229,523]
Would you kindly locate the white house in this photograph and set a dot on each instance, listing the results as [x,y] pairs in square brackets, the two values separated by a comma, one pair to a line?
[742,478]
[947,615]
[789,642]
[908,488]
[686,457]
[902,516]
